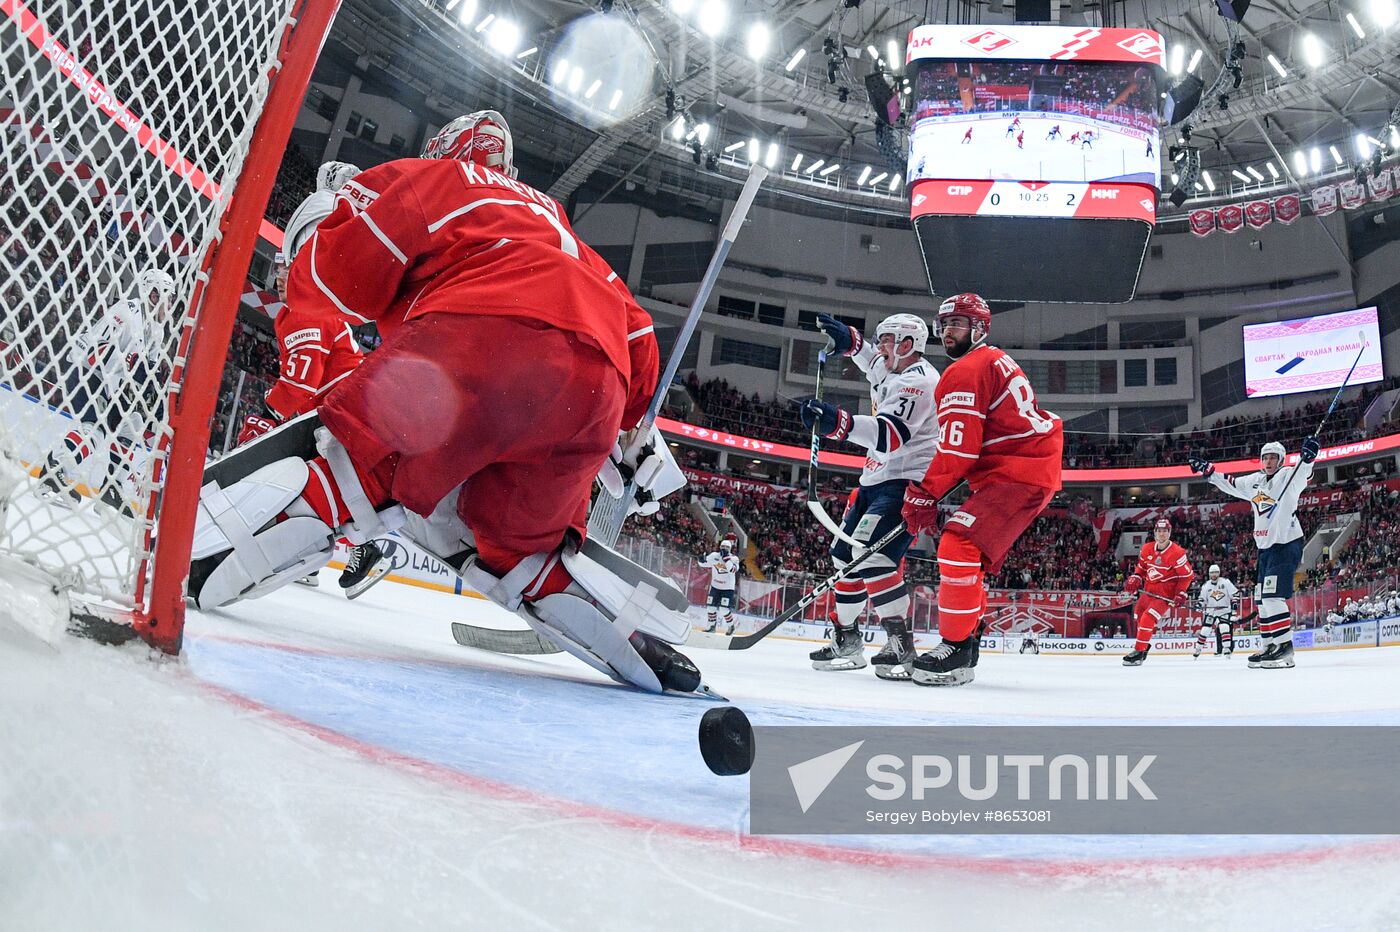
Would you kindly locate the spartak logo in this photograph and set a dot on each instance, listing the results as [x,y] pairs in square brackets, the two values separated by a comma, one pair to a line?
[989,40]
[1144,45]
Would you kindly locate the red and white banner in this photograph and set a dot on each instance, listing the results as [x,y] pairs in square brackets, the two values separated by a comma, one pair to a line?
[1324,200]
[1231,218]
[1097,200]
[1203,221]
[1055,43]
[1288,208]
[1258,214]
[1381,188]
[1351,194]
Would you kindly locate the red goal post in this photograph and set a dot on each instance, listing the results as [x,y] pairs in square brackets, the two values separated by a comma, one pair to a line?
[142,135]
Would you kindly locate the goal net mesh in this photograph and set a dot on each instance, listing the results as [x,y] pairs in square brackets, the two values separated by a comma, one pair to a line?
[125,127]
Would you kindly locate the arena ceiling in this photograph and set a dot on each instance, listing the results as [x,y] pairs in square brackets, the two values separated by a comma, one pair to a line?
[1334,79]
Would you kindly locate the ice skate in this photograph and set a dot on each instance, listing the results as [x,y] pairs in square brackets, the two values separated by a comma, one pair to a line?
[311,582]
[368,564]
[54,486]
[896,660]
[845,652]
[729,628]
[1135,658]
[713,623]
[1196,652]
[1277,656]
[951,663]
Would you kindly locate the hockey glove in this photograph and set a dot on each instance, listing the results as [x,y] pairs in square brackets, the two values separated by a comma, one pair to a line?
[644,460]
[847,340]
[830,420]
[253,427]
[1311,446]
[920,511]
[1204,467]
[1132,584]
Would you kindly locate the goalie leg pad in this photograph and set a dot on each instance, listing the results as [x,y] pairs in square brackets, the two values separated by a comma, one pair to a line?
[636,602]
[576,624]
[366,521]
[284,553]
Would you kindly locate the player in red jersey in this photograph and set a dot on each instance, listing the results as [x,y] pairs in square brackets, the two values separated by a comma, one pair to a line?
[512,359]
[992,433]
[1074,137]
[1162,575]
[967,136]
[1021,140]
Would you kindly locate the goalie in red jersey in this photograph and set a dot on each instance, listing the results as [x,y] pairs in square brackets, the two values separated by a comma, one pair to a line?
[1163,574]
[992,433]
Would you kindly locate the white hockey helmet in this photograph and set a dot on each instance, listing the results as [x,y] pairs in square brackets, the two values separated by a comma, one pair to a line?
[1273,446]
[481,137]
[154,282]
[331,176]
[1214,570]
[904,325]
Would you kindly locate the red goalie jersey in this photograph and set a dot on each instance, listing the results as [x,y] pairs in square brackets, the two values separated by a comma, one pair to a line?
[461,238]
[1166,573]
[990,428]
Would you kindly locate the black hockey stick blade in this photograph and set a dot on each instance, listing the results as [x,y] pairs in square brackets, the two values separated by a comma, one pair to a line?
[499,641]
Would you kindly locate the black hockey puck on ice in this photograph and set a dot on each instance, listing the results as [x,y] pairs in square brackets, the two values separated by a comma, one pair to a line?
[726,741]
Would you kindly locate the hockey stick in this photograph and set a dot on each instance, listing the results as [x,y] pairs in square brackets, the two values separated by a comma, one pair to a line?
[608,513]
[1323,423]
[496,640]
[814,505]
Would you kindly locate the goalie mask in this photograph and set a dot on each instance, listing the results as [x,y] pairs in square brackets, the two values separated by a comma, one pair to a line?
[482,137]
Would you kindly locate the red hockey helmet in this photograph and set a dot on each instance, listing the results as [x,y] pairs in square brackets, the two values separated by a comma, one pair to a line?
[972,306]
[1162,524]
[482,137]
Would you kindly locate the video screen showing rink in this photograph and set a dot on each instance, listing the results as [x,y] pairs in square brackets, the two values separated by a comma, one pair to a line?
[1035,121]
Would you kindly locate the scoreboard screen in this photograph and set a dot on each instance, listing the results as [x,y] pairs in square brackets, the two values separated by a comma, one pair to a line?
[1047,123]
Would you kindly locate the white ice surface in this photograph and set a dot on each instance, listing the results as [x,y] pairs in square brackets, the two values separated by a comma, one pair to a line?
[316,764]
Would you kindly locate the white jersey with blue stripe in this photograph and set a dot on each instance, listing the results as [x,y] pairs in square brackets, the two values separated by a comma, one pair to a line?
[900,436]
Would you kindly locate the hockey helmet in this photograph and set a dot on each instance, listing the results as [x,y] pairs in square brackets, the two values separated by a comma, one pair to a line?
[332,176]
[481,137]
[972,306]
[728,540]
[1162,524]
[155,282]
[1214,570]
[1273,446]
[902,326]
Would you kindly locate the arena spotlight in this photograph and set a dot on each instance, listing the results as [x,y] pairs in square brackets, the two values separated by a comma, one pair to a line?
[1183,97]
[1187,178]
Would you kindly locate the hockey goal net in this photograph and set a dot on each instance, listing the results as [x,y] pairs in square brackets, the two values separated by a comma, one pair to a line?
[140,141]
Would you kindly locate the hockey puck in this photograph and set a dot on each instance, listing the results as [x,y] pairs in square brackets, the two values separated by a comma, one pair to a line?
[726,741]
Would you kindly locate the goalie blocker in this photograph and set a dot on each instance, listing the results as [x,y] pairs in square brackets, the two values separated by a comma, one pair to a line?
[257,530]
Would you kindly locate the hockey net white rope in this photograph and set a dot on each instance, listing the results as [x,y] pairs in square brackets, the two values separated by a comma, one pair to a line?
[126,125]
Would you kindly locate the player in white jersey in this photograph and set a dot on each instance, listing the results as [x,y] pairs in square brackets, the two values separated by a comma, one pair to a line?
[1218,608]
[1273,494]
[116,393]
[899,439]
[723,565]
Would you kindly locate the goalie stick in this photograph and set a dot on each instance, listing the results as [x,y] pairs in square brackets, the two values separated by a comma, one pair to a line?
[607,514]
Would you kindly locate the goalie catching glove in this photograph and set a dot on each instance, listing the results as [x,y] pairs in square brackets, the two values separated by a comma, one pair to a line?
[647,461]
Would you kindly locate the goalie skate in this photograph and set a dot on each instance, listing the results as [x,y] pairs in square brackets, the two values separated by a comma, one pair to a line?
[368,564]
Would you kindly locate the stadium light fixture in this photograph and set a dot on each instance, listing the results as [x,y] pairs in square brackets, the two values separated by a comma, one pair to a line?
[1277,65]
[796,162]
[682,7]
[795,60]
[1355,26]
[771,158]
[1273,172]
[757,41]
[486,20]
[879,178]
[733,146]
[1315,160]
[702,133]
[894,182]
[1199,189]
[1195,60]
[1178,59]
[754,150]
[712,17]
[1300,163]
[466,13]
[1240,175]
[864,174]
[678,127]
[1256,173]
[1210,182]
[561,71]
[592,88]
[575,79]
[504,36]
[892,50]
[816,165]
[829,169]
[1313,52]
[1394,138]
[874,55]
[1383,13]
[1175,178]
[1363,145]
[528,52]
[1336,156]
